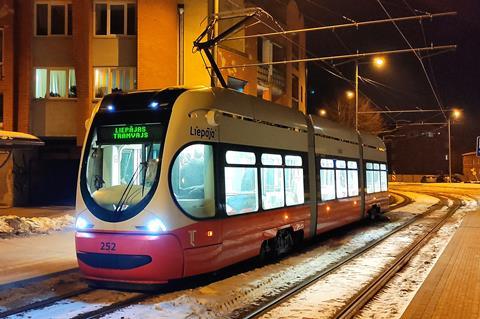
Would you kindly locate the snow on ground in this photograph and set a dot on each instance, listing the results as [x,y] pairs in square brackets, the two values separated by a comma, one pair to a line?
[79,305]
[392,301]
[223,298]
[324,298]
[15,225]
[25,293]
[26,257]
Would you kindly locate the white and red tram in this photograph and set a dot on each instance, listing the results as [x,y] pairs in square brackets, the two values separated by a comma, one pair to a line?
[179,182]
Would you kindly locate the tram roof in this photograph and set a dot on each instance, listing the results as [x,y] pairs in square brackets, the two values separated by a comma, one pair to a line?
[237,103]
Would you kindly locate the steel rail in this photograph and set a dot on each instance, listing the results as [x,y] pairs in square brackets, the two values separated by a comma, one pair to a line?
[113,307]
[369,291]
[45,303]
[284,296]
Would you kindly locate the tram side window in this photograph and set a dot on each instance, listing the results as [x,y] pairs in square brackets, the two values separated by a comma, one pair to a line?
[376,177]
[241,184]
[272,181]
[327,179]
[341,178]
[370,182]
[352,178]
[192,180]
[294,189]
[383,178]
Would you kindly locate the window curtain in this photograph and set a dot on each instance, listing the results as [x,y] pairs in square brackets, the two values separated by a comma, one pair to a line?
[72,83]
[40,83]
[101,82]
[58,83]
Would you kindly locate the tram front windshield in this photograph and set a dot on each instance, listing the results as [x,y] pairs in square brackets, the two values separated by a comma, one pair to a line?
[123,163]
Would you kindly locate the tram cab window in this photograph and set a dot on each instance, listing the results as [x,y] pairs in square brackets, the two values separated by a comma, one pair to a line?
[327,179]
[272,181]
[294,189]
[192,180]
[121,172]
[241,183]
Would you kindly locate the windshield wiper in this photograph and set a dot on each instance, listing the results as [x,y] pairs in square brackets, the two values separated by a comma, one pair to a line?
[146,167]
[124,196]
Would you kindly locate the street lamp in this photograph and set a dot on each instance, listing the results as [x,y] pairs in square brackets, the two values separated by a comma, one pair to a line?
[379,62]
[454,115]
[322,112]
[350,94]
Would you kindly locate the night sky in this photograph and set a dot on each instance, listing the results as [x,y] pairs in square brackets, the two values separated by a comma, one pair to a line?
[403,83]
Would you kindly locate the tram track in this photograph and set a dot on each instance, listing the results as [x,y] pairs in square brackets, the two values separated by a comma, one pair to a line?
[288,294]
[137,298]
[365,295]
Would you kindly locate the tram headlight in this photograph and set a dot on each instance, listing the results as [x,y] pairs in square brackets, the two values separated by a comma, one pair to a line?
[155,225]
[81,223]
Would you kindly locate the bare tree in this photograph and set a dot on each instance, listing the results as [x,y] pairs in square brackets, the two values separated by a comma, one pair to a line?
[343,111]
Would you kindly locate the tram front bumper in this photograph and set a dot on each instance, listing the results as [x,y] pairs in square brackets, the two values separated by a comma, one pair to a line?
[129,258]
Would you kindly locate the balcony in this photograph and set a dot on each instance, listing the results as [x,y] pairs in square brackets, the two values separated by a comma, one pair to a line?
[54,117]
[273,77]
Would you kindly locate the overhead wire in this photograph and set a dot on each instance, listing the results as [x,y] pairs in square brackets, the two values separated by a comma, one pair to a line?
[418,57]
[345,47]
[429,60]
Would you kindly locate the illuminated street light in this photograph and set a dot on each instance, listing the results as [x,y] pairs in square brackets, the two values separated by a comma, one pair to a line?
[379,62]
[350,94]
[456,114]
[322,112]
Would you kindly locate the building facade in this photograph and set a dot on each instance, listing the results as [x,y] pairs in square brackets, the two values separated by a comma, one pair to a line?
[60,57]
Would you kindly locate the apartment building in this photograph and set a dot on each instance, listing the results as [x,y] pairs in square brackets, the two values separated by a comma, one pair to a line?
[60,57]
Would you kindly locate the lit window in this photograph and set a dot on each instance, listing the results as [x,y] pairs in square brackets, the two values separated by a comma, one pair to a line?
[272,187]
[192,180]
[327,163]
[58,83]
[121,15]
[236,157]
[291,160]
[376,177]
[294,190]
[352,178]
[327,184]
[272,181]
[111,80]
[241,190]
[271,159]
[53,19]
[341,179]
[55,83]
[241,183]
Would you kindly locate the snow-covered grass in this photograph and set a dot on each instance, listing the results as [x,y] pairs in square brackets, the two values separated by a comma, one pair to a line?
[15,225]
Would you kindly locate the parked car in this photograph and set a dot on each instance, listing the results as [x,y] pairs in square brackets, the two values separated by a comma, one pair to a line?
[429,179]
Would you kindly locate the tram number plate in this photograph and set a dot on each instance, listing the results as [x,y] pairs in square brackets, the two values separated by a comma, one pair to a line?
[108,246]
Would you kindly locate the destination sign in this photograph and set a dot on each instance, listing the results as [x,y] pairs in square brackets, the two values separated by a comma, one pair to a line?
[129,134]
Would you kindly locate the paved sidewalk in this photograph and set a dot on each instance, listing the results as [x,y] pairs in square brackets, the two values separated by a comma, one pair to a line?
[44,211]
[452,289]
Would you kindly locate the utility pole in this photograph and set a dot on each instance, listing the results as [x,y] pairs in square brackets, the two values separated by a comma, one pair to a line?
[356,95]
[449,150]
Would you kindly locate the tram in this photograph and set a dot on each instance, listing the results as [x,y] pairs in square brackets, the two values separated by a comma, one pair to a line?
[179,182]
